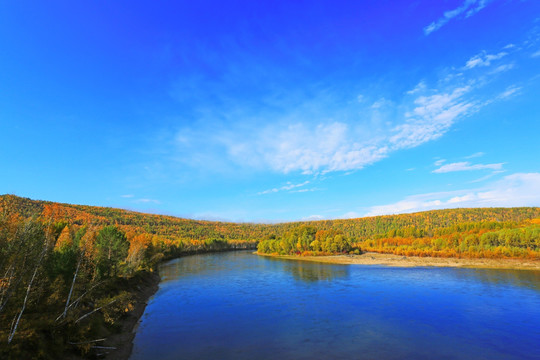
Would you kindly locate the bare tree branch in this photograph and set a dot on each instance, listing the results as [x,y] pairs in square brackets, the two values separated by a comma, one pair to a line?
[93,311]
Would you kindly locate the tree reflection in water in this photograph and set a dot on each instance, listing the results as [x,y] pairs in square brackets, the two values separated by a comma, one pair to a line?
[312,271]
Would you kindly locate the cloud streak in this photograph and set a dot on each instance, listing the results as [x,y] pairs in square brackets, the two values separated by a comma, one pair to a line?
[314,135]
[484,59]
[338,146]
[147,201]
[520,189]
[472,156]
[288,187]
[467,9]
[466,166]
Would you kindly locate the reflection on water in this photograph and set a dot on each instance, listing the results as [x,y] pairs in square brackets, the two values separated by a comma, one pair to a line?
[310,271]
[241,306]
[501,278]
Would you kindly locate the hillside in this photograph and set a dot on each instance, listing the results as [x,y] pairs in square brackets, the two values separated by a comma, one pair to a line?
[476,232]
[417,225]
[71,273]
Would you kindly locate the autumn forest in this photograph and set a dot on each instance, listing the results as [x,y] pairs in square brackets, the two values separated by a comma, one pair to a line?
[69,273]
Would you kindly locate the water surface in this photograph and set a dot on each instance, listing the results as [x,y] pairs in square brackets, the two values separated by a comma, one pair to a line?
[237,305]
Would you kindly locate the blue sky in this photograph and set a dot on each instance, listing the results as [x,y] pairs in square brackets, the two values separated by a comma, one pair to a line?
[271,111]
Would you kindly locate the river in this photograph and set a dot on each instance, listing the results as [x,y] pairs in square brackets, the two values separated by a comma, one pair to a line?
[237,305]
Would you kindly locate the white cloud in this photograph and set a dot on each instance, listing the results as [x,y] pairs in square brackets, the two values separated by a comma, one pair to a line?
[306,148]
[431,118]
[466,166]
[510,91]
[146,201]
[484,59]
[439,162]
[327,146]
[536,54]
[520,189]
[304,190]
[288,186]
[502,68]
[351,215]
[469,8]
[481,4]
[315,136]
[313,218]
[475,155]
[381,103]
[484,178]
[421,86]
[127,196]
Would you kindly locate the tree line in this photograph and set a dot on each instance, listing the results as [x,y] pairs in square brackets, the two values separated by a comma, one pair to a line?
[66,283]
[307,240]
[68,273]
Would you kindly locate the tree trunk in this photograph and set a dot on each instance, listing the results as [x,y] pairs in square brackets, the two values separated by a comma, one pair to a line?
[14,329]
[73,284]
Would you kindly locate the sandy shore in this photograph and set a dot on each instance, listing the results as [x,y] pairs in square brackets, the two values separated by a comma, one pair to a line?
[371,258]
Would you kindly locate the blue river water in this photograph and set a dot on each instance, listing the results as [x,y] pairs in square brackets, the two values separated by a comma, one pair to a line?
[237,305]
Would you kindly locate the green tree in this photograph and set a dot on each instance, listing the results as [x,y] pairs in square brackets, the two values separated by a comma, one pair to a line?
[112,249]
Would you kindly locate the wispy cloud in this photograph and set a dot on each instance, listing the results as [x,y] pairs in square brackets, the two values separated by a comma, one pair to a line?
[327,147]
[147,201]
[420,87]
[472,156]
[439,162]
[466,166]
[381,103]
[510,91]
[467,9]
[483,59]
[536,54]
[304,190]
[351,215]
[307,148]
[127,196]
[313,218]
[326,133]
[520,189]
[431,118]
[484,178]
[503,68]
[289,186]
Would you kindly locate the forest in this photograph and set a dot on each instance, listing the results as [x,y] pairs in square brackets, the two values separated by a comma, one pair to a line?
[307,240]
[70,273]
[67,276]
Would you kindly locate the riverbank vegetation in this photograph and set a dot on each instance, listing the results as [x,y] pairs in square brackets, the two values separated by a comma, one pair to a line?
[499,233]
[69,273]
[69,277]
[307,240]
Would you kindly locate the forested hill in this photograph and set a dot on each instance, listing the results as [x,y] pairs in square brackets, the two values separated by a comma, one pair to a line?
[414,225]
[71,272]
[163,226]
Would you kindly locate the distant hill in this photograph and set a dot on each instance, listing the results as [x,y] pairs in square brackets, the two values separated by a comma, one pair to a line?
[417,225]
[71,272]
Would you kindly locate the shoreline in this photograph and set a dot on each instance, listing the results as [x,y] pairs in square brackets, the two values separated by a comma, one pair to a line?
[373,258]
[123,340]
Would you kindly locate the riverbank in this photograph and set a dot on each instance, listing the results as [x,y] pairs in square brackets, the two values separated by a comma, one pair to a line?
[371,258]
[123,340]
